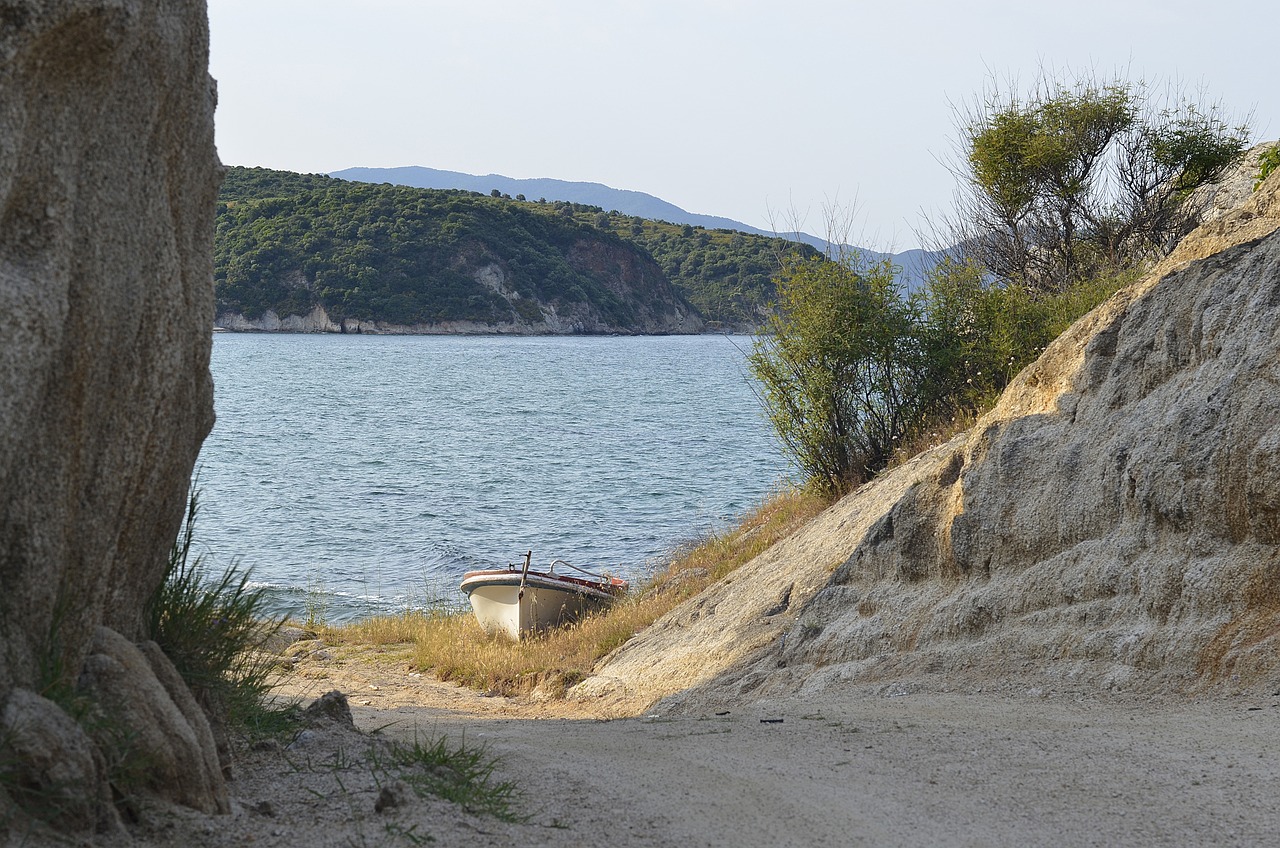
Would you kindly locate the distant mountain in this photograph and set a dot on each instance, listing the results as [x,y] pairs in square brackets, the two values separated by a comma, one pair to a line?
[635,203]
[914,263]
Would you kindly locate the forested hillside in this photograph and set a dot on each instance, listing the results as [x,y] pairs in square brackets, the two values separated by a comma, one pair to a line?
[727,275]
[287,243]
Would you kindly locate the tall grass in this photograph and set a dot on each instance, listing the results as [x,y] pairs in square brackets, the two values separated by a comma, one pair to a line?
[454,647]
[210,626]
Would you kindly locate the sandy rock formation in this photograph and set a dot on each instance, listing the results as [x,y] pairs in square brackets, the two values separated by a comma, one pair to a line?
[1113,522]
[1232,189]
[108,181]
[136,687]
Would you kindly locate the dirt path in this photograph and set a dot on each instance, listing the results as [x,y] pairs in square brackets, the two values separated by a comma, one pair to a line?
[863,769]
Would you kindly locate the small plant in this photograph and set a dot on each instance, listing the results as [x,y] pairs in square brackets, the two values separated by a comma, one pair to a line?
[315,606]
[210,627]
[1268,162]
[461,774]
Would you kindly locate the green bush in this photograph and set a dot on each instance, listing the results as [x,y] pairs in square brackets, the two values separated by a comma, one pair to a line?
[840,368]
[852,371]
[978,334]
[1075,179]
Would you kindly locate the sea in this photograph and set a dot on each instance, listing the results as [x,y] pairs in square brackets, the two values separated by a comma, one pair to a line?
[357,475]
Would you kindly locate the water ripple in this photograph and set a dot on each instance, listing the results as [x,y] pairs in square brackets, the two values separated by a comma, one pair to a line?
[370,471]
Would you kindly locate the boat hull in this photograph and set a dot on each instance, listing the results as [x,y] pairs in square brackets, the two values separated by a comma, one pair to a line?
[548,600]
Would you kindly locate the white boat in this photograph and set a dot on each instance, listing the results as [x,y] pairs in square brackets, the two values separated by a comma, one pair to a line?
[519,601]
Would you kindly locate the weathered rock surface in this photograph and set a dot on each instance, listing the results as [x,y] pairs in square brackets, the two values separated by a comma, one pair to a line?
[1230,191]
[108,181]
[137,690]
[107,186]
[330,708]
[56,765]
[1113,522]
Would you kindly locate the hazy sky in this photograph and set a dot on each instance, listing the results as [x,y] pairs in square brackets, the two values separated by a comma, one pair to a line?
[726,107]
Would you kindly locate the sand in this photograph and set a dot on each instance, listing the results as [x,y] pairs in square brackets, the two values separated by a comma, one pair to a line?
[863,766]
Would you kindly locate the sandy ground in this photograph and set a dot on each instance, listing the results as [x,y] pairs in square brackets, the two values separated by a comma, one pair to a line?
[863,768]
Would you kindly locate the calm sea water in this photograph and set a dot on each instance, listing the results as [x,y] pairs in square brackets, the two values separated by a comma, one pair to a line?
[367,473]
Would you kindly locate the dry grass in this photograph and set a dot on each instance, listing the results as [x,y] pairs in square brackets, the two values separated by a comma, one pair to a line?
[455,648]
[937,433]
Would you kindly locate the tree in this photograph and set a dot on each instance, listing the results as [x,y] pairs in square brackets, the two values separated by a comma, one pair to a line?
[1081,178]
[975,336]
[840,369]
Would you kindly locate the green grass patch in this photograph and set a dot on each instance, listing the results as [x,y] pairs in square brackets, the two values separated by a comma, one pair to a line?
[211,627]
[459,773]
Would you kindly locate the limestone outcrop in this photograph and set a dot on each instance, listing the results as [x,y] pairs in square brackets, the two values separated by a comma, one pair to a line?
[1113,522]
[108,182]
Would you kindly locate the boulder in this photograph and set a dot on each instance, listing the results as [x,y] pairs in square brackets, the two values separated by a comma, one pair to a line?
[331,708]
[108,183]
[148,717]
[56,769]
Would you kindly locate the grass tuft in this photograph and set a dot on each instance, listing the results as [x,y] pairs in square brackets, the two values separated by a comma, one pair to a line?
[461,774]
[211,627]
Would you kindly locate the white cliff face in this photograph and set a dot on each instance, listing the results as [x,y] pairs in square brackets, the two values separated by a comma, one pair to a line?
[318,321]
[1113,522]
[552,324]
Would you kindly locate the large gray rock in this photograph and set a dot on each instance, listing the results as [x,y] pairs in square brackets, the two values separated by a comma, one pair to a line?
[1113,522]
[108,180]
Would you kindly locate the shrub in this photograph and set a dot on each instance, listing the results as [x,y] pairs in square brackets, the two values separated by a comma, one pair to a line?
[853,372]
[1075,179]
[978,334]
[840,369]
[210,627]
[1269,161]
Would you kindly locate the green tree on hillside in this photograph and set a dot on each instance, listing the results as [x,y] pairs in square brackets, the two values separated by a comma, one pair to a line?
[727,275]
[840,368]
[288,242]
[1072,180]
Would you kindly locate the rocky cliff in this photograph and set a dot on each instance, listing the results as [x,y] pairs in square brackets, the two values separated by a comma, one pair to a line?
[108,179]
[1113,522]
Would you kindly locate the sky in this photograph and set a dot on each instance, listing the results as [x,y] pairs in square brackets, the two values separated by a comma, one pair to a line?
[773,114]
